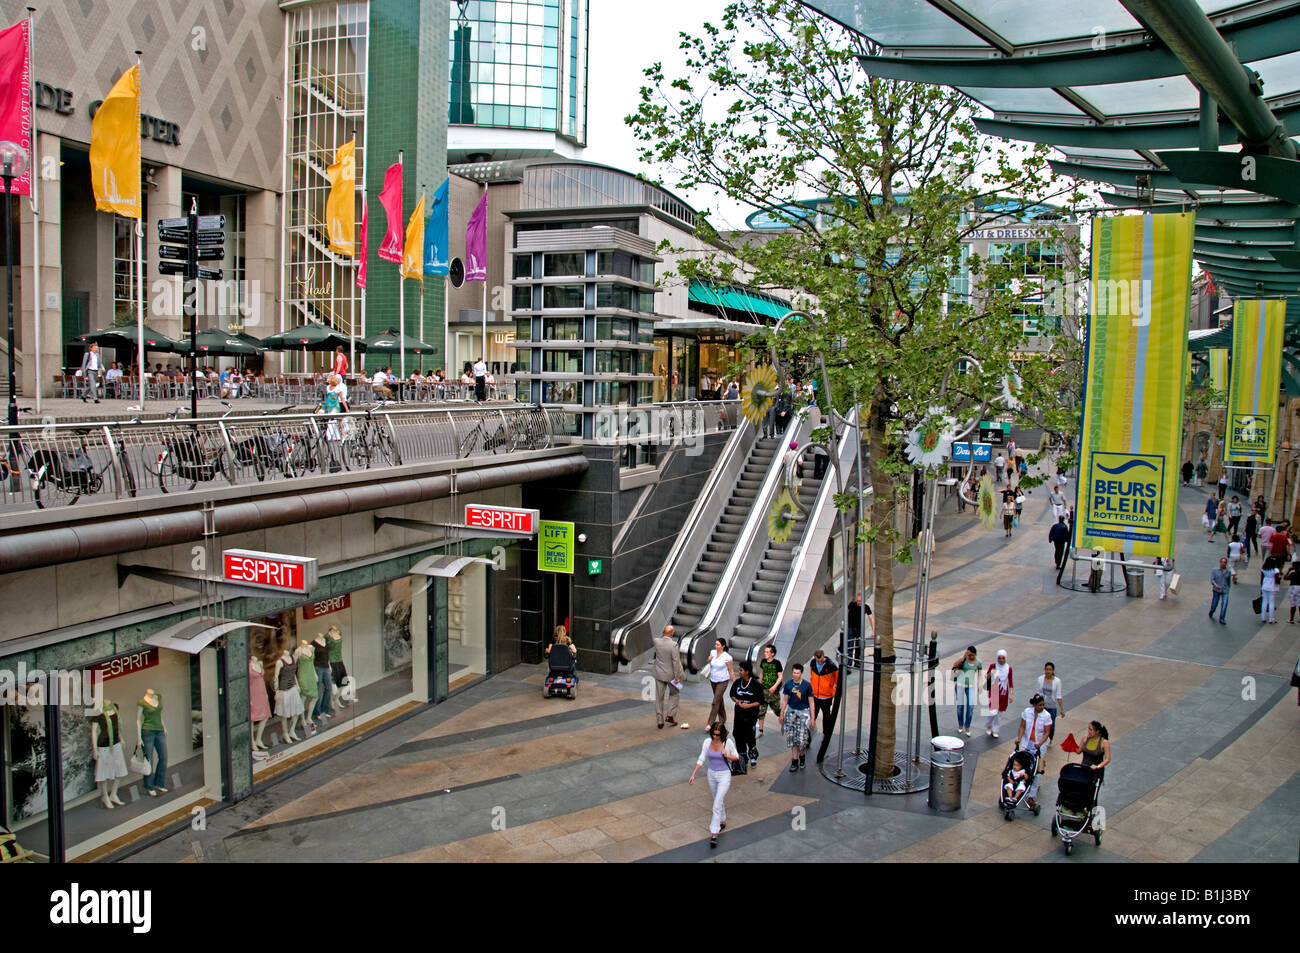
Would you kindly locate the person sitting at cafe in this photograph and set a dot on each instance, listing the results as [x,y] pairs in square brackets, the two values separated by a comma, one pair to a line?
[113,380]
[380,384]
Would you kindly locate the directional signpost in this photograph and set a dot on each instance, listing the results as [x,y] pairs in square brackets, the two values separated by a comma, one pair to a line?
[204,239]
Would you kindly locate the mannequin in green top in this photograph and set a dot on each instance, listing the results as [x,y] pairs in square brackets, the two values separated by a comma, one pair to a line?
[338,671]
[307,687]
[151,735]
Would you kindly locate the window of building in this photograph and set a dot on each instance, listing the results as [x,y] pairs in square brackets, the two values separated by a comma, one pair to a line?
[562,392]
[562,362]
[615,362]
[523,266]
[523,360]
[615,392]
[613,329]
[564,296]
[645,332]
[521,298]
[562,329]
[564,265]
[523,329]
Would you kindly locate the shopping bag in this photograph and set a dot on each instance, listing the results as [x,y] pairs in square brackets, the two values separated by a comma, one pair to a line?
[1257,604]
[139,765]
[1174,580]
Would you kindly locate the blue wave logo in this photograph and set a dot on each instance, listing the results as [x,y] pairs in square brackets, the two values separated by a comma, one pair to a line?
[1125,467]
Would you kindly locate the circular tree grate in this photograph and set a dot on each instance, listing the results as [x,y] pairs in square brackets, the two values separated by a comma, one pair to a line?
[911,778]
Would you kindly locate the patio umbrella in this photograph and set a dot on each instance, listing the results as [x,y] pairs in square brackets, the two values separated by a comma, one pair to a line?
[307,337]
[124,336]
[215,341]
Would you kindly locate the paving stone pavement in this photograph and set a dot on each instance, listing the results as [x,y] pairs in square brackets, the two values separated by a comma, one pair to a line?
[1204,726]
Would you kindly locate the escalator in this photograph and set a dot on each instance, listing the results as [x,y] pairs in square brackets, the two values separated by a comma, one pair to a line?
[762,590]
[722,542]
[667,595]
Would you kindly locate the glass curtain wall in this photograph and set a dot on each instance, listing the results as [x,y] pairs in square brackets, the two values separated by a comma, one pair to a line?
[325,57]
[514,65]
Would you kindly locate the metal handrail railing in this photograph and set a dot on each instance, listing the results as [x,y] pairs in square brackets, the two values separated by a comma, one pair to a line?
[48,465]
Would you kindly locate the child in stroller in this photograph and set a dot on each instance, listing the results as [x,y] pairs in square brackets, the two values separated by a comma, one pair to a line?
[1016,778]
[562,666]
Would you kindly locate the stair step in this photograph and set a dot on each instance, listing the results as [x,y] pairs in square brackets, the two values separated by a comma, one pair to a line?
[749,631]
[767,585]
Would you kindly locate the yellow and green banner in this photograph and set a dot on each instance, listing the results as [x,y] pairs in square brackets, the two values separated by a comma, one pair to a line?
[1257,329]
[1131,432]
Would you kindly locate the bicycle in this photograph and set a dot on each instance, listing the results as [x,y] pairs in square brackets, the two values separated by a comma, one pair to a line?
[73,471]
[196,457]
[369,439]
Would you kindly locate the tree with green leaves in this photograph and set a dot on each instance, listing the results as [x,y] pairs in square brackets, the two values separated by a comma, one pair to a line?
[877,183]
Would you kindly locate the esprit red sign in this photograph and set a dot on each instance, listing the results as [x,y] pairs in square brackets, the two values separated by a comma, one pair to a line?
[245,567]
[501,517]
[125,665]
[337,604]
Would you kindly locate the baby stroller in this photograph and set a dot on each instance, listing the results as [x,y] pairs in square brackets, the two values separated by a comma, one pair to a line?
[562,674]
[1076,805]
[1008,805]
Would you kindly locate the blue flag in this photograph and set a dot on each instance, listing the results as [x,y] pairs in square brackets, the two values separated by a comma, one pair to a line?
[437,245]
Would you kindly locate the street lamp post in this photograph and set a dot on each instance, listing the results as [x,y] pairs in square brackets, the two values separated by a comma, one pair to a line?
[13,163]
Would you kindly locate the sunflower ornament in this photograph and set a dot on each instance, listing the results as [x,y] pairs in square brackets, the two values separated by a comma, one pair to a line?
[781,517]
[758,395]
[930,444]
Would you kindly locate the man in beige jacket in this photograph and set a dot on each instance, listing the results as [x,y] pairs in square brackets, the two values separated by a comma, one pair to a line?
[668,669]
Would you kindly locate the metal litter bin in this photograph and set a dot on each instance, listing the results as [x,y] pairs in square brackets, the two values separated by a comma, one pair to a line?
[947,758]
[1133,579]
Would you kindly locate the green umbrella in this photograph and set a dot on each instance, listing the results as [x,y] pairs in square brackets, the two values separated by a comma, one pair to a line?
[308,337]
[124,336]
[215,341]
[390,340]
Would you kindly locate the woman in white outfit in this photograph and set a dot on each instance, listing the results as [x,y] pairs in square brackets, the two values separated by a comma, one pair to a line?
[1270,580]
[717,750]
[999,682]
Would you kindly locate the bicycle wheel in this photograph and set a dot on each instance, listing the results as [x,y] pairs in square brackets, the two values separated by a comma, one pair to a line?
[301,459]
[356,454]
[128,478]
[387,448]
[223,465]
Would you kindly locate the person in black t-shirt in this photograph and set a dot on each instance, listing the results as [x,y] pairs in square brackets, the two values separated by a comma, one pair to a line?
[747,694]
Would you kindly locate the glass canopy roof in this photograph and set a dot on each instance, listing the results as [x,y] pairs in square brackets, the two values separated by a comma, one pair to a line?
[1091,79]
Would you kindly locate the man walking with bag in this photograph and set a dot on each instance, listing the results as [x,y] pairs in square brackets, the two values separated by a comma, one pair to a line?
[668,678]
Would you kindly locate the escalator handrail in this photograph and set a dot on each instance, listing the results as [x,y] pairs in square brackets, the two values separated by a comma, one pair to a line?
[756,519]
[674,564]
[825,497]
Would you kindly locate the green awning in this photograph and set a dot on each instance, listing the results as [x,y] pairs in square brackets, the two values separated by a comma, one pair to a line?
[733,299]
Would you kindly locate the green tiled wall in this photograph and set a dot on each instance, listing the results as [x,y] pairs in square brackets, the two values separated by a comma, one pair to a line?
[406,111]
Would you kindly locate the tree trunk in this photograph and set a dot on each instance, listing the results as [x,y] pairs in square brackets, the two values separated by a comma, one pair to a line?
[882,558]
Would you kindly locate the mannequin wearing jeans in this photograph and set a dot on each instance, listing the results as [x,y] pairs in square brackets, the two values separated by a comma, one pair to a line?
[321,660]
[152,736]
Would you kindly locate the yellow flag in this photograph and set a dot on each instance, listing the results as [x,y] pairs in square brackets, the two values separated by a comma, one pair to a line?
[115,148]
[341,206]
[413,256]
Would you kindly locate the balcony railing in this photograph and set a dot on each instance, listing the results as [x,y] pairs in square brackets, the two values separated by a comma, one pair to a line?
[44,466]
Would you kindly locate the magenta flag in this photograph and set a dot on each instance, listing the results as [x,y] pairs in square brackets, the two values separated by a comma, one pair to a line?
[394,243]
[361,263]
[476,243]
[16,96]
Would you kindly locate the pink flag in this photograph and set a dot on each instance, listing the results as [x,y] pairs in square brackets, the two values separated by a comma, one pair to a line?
[394,243]
[361,254]
[476,243]
[16,96]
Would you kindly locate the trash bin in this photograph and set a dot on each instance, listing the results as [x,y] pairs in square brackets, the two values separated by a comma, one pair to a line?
[1133,579]
[947,757]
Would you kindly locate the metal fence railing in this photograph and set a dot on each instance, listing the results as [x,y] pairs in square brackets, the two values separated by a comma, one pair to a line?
[52,465]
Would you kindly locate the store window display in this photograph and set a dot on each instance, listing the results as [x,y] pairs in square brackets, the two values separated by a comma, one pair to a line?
[307,687]
[324,681]
[341,681]
[259,705]
[288,700]
[151,736]
[106,749]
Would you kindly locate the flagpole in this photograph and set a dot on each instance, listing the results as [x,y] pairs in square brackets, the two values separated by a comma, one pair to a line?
[33,197]
[401,291]
[139,252]
[361,253]
[446,317]
[484,353]
[352,323]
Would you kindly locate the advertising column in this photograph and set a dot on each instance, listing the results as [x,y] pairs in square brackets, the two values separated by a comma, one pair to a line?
[1131,432]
